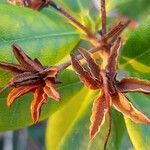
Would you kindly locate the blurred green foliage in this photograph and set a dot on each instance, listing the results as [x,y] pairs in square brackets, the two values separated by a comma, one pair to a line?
[49,37]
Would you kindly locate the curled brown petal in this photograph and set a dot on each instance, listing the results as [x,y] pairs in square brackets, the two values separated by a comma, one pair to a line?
[113,59]
[122,104]
[38,62]
[38,101]
[93,66]
[50,91]
[12,67]
[107,104]
[26,78]
[25,60]
[85,76]
[117,29]
[106,90]
[17,92]
[134,85]
[97,117]
[108,130]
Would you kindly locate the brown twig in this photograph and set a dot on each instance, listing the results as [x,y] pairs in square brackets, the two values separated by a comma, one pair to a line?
[109,129]
[116,32]
[113,34]
[75,22]
[79,57]
[103,16]
[66,64]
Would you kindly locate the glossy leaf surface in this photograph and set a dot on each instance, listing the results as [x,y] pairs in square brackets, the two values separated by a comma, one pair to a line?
[41,37]
[141,8]
[136,52]
[135,61]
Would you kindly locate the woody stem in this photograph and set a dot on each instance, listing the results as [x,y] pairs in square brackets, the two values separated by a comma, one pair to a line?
[66,64]
[107,99]
[92,38]
[109,130]
[103,16]
[79,57]
[93,50]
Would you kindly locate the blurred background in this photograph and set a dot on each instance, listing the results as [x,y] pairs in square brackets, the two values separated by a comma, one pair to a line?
[31,138]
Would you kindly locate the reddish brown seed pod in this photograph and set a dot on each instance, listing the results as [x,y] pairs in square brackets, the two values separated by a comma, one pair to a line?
[31,76]
[112,90]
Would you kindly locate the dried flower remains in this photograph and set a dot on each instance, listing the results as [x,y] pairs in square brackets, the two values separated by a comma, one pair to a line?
[31,76]
[112,91]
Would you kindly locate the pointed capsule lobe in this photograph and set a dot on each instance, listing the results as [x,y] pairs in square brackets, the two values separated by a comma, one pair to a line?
[18,92]
[97,117]
[122,104]
[39,99]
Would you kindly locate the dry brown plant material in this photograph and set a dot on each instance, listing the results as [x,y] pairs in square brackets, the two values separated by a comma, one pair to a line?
[31,76]
[111,90]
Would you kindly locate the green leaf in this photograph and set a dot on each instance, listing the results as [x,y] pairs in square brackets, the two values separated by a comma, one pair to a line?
[135,61]
[43,38]
[84,11]
[68,128]
[136,52]
[19,116]
[139,134]
[3,2]
[40,36]
[130,8]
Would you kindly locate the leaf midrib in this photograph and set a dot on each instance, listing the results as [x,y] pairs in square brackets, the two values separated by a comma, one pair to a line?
[39,37]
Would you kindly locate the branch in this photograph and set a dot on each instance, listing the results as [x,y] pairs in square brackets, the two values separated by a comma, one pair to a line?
[103,17]
[75,22]
[79,57]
